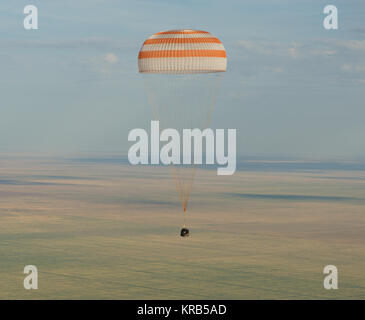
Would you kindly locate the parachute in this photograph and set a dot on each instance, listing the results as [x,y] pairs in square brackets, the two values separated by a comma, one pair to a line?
[182,74]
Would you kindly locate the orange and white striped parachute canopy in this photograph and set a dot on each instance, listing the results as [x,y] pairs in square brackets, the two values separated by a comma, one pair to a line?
[182,51]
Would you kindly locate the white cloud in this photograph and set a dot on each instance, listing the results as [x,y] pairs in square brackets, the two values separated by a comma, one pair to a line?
[353,45]
[261,47]
[111,58]
[95,43]
[276,69]
[351,67]
[294,50]
[103,64]
[346,67]
[323,52]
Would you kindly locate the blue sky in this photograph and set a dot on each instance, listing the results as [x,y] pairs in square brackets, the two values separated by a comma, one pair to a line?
[291,88]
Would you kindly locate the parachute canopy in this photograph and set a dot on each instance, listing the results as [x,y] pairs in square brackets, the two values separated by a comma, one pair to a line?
[182,51]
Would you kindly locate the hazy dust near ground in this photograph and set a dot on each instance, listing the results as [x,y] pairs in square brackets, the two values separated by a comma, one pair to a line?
[107,230]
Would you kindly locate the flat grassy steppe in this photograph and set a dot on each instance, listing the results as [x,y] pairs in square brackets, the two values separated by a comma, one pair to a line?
[110,231]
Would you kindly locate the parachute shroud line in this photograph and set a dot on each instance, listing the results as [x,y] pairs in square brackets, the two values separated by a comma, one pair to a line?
[181,71]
